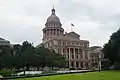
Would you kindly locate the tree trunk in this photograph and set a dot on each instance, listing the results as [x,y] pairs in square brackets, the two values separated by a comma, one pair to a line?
[37,68]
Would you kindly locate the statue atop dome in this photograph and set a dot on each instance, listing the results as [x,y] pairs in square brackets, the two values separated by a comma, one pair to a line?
[53,11]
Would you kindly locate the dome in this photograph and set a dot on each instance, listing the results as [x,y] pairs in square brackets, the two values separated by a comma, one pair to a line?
[53,20]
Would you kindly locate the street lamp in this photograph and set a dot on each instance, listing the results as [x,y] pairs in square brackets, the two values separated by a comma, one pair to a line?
[99,62]
[0,59]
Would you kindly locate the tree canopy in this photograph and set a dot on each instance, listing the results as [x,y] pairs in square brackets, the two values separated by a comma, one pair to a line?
[26,55]
[111,50]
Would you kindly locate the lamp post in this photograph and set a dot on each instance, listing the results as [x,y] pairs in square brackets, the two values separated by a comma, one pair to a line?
[24,67]
[99,62]
[0,59]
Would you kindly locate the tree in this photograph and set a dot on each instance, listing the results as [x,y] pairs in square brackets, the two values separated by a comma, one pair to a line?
[16,56]
[27,54]
[111,50]
[49,58]
[6,55]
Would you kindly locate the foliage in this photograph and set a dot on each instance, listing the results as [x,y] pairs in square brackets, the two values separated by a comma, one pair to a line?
[111,50]
[6,73]
[26,55]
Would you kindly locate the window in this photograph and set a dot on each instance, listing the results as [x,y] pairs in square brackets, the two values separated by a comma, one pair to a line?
[72,56]
[68,56]
[81,64]
[50,44]
[77,43]
[68,43]
[67,64]
[71,50]
[55,42]
[64,43]
[80,51]
[76,51]
[68,50]
[64,51]
[51,32]
[57,33]
[81,56]
[77,64]
[60,43]
[77,56]
[72,64]
[59,50]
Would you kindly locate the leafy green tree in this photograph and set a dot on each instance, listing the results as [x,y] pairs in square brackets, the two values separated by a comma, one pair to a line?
[111,50]
[49,58]
[6,55]
[26,55]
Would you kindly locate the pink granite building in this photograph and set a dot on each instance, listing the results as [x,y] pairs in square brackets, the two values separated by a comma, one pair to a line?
[75,50]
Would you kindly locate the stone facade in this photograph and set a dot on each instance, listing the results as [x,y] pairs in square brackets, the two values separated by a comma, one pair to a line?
[75,50]
[95,54]
[4,42]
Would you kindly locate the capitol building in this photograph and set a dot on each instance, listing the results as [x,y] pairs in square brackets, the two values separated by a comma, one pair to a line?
[75,50]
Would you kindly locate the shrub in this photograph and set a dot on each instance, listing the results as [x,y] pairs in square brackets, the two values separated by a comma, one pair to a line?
[72,69]
[79,69]
[6,73]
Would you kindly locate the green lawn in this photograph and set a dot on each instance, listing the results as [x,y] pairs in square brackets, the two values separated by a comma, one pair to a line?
[106,75]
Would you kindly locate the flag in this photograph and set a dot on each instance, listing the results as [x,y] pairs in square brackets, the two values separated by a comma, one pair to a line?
[72,24]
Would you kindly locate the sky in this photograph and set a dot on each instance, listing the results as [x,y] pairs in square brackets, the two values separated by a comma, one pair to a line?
[94,20]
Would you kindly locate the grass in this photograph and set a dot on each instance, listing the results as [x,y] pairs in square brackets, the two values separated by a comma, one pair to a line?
[105,75]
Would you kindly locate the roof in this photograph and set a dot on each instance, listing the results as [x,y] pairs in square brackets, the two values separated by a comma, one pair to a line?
[73,33]
[94,47]
[1,38]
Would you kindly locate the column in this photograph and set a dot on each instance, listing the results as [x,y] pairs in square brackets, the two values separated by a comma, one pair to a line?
[83,54]
[59,32]
[69,59]
[56,32]
[69,64]
[89,65]
[74,64]
[79,64]
[69,54]
[84,65]
[74,53]
[52,31]
[49,31]
[74,57]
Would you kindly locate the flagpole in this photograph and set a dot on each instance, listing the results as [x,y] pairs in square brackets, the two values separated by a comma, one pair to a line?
[72,27]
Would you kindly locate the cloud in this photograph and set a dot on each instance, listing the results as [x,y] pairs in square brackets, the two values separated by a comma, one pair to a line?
[94,20]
